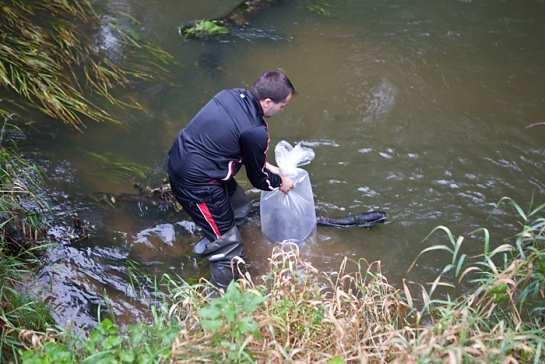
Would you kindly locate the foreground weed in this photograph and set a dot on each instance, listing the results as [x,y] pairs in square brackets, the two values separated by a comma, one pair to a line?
[107,343]
[229,319]
[297,312]
[501,317]
[354,314]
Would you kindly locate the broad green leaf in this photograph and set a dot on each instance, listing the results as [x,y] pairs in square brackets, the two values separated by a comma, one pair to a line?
[336,360]
[209,313]
[247,325]
[211,325]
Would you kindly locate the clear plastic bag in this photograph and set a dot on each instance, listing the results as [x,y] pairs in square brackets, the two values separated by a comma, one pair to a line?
[290,216]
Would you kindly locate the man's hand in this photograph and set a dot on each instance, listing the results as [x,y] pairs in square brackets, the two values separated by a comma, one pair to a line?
[286,185]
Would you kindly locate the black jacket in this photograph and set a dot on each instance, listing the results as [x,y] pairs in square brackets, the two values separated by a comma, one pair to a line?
[227,132]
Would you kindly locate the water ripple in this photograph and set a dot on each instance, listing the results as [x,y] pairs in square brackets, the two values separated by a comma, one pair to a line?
[380,100]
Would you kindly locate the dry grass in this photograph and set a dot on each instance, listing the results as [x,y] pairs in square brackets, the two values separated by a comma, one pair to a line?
[355,315]
[297,314]
[306,315]
[300,315]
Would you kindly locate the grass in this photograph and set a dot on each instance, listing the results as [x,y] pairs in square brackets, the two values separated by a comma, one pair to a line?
[49,59]
[296,313]
[22,198]
[23,210]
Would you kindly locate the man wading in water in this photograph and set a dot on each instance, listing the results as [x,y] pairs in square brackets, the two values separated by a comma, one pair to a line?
[227,132]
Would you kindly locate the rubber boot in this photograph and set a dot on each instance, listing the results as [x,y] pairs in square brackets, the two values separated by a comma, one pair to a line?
[240,205]
[220,253]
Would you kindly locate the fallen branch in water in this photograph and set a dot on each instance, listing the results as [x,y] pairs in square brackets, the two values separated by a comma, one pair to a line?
[160,196]
[239,16]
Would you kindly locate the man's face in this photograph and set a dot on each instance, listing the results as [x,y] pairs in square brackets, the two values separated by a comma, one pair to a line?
[270,107]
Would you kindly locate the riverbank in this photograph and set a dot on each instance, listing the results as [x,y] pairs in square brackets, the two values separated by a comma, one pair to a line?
[296,313]
[23,221]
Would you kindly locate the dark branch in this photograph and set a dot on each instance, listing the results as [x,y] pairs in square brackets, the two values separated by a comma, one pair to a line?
[240,15]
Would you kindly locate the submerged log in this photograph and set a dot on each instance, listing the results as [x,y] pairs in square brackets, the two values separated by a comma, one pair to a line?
[160,197]
[240,15]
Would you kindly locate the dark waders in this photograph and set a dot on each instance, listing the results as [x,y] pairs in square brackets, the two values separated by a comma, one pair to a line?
[217,209]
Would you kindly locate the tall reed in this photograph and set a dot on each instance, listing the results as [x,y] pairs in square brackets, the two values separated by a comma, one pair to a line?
[50,58]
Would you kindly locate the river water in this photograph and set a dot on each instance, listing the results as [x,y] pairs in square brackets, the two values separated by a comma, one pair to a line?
[419,108]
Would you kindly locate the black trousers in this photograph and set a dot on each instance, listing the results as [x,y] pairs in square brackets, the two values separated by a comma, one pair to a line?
[216,209]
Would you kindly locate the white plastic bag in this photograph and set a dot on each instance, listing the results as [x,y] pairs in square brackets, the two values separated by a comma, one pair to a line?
[290,216]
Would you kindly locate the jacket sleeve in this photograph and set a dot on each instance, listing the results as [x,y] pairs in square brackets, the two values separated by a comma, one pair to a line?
[253,145]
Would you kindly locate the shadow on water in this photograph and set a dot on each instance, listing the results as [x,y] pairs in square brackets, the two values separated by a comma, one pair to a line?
[417,109]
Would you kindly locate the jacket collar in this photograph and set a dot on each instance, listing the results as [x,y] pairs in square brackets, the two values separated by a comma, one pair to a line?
[256,103]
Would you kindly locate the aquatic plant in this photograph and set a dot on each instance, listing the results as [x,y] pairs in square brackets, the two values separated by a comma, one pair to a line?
[204,28]
[49,58]
[117,166]
[240,15]
[320,7]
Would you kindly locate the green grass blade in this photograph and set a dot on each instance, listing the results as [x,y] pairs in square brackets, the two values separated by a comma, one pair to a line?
[516,206]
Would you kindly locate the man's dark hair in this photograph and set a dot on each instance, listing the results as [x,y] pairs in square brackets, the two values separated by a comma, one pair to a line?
[274,85]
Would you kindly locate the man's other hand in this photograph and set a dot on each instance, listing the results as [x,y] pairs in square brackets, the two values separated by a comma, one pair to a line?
[286,185]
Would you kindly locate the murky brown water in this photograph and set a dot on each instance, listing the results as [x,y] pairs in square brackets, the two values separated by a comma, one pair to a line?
[419,108]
